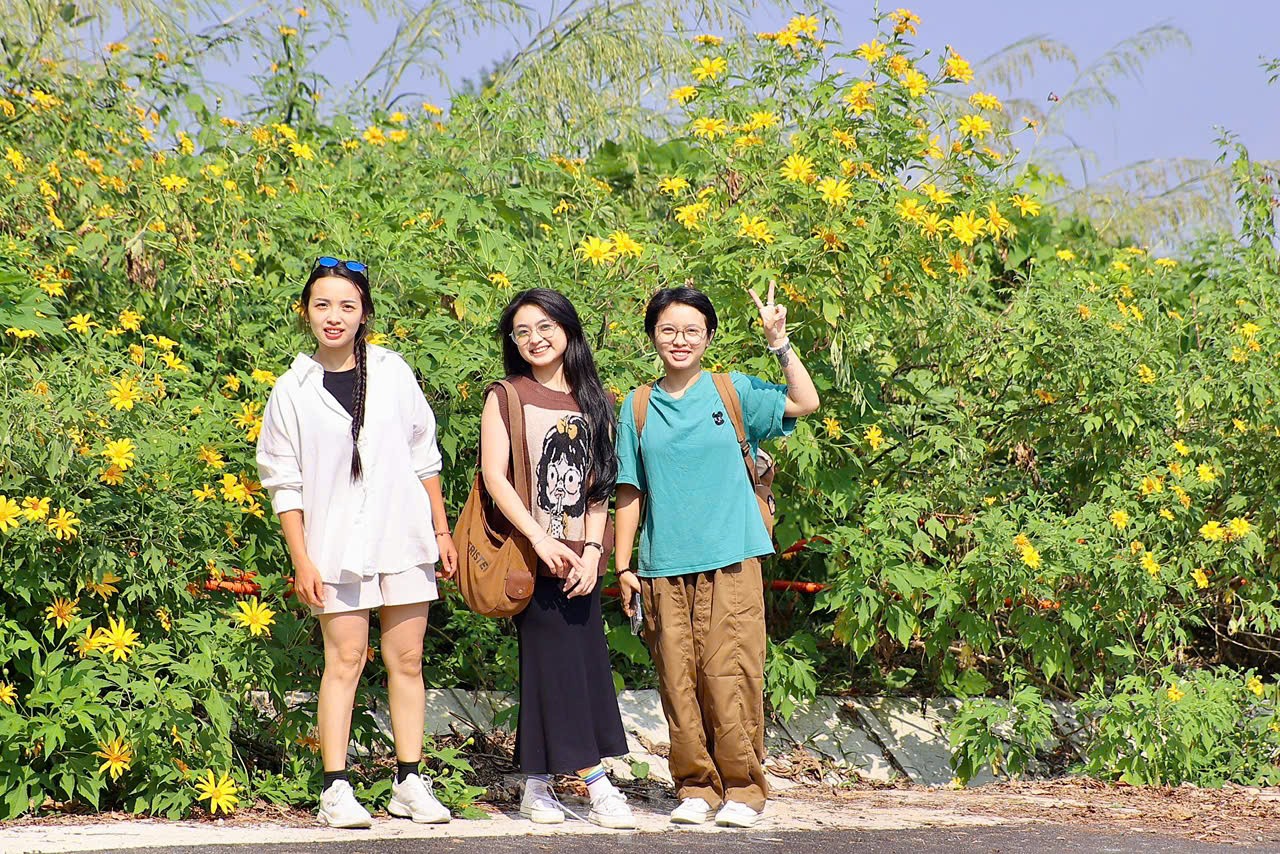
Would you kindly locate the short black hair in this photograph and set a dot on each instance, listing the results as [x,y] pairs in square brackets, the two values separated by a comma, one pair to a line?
[683,295]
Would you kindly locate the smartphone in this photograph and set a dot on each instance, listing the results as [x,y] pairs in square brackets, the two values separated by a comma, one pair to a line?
[637,614]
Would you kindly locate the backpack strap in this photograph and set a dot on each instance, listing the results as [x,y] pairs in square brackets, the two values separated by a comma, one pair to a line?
[640,407]
[733,403]
[522,477]
[639,412]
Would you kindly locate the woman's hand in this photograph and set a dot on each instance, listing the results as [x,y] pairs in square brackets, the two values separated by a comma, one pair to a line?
[560,558]
[448,555]
[580,582]
[628,587]
[307,583]
[774,317]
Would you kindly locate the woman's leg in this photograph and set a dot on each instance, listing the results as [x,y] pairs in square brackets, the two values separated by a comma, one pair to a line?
[671,619]
[403,627]
[731,666]
[346,641]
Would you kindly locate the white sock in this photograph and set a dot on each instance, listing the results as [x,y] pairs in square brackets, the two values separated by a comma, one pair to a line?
[599,788]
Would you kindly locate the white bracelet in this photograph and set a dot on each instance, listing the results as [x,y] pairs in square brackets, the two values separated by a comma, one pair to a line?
[781,348]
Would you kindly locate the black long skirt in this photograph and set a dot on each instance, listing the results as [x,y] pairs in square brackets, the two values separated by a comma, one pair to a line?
[568,710]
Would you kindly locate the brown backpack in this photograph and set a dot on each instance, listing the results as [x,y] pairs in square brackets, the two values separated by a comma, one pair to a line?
[760,471]
[496,564]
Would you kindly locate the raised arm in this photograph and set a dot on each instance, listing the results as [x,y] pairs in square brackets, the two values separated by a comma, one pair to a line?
[802,396]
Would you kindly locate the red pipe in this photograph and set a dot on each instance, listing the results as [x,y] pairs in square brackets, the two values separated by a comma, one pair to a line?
[800,545]
[797,586]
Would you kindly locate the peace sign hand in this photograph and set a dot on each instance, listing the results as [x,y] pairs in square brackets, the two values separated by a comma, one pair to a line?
[774,317]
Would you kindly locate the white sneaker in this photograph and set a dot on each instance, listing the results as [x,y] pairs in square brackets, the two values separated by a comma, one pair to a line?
[539,805]
[691,811]
[339,807]
[611,810]
[735,814]
[413,799]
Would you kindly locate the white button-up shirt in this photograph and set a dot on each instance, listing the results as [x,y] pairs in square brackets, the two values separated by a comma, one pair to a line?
[380,523]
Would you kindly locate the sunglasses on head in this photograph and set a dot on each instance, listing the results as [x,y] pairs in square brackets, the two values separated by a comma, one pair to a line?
[328,261]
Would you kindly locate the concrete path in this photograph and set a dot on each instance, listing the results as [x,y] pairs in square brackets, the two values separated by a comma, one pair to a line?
[503,832]
[891,835]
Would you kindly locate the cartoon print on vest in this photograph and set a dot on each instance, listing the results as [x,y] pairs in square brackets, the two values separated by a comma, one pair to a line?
[718,417]
[561,472]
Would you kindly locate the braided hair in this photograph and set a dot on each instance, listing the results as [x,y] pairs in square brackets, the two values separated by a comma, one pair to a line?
[361,349]
[357,415]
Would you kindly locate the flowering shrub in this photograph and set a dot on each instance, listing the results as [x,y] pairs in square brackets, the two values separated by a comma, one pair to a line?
[1042,466]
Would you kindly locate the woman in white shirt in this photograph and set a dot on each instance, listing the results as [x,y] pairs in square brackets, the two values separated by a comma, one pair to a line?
[348,454]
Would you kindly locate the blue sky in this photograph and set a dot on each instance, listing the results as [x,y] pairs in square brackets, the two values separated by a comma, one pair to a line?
[1171,111]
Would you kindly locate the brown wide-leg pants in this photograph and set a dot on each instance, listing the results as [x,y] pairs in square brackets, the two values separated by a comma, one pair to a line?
[706,633]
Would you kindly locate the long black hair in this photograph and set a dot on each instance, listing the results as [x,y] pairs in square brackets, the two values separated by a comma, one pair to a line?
[361,352]
[584,382]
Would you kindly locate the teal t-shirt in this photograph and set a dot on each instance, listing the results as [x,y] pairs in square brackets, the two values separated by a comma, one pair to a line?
[700,510]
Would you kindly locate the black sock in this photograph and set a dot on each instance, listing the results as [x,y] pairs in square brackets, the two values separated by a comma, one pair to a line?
[404,769]
[331,777]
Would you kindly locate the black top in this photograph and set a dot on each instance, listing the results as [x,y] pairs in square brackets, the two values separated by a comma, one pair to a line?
[342,385]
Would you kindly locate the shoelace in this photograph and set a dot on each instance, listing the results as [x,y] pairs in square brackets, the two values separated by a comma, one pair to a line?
[550,792]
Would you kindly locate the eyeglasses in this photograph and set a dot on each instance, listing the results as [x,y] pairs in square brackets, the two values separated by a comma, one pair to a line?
[667,334]
[544,328]
[328,261]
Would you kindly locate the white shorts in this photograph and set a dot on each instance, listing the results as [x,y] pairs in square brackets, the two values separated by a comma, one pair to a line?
[375,591]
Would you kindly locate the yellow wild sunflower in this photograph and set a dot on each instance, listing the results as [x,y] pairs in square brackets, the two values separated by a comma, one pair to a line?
[625,245]
[967,227]
[120,453]
[755,229]
[836,192]
[117,756]
[63,524]
[35,509]
[220,793]
[10,513]
[707,127]
[798,168]
[118,639]
[255,616]
[709,68]
[597,250]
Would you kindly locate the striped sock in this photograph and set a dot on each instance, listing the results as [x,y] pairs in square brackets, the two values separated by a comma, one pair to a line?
[597,781]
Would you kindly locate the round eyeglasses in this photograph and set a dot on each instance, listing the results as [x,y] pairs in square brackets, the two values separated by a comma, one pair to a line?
[544,328]
[667,334]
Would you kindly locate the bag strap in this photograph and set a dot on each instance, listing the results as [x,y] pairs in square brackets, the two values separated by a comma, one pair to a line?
[519,452]
[640,407]
[639,412]
[733,403]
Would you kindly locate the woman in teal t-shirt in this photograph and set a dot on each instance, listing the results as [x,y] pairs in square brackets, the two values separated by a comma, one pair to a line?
[699,568]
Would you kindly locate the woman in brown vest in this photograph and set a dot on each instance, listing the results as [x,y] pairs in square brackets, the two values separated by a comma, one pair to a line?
[569,716]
